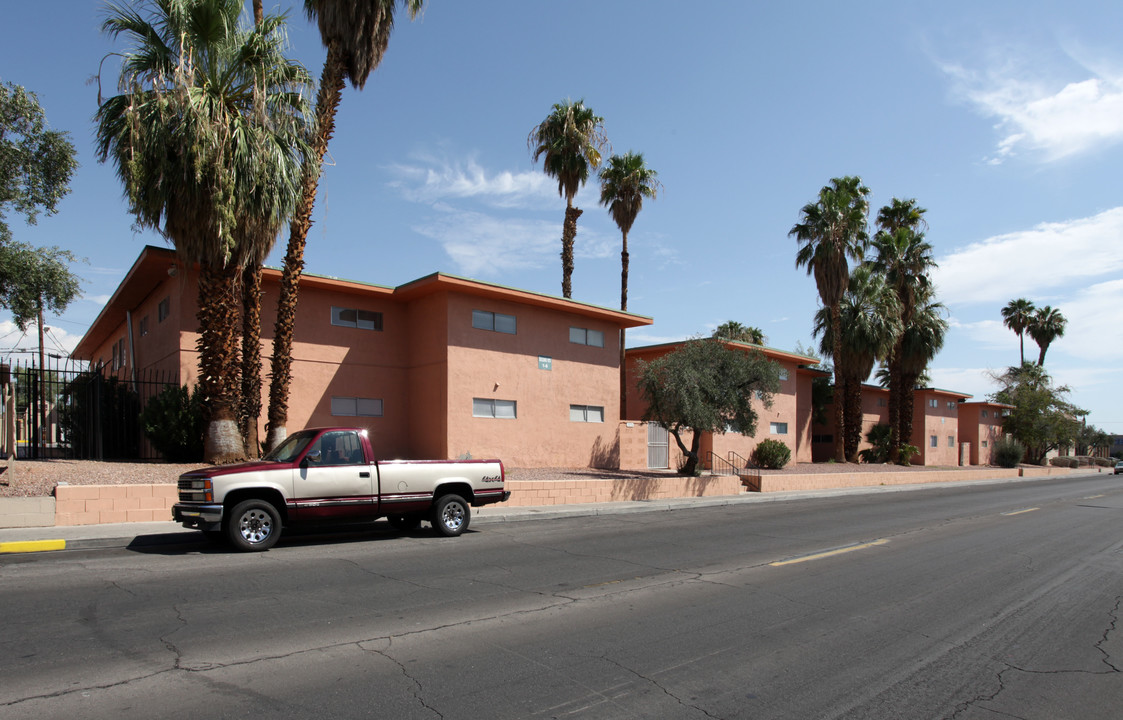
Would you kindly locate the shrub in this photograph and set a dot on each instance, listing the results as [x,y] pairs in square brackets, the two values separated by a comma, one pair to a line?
[1008,452]
[173,423]
[906,452]
[878,438]
[771,454]
[1105,462]
[1066,462]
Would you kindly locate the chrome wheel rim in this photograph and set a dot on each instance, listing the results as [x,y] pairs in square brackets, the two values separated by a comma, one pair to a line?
[453,516]
[255,526]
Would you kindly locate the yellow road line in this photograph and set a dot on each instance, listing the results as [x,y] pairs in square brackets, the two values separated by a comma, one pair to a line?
[1019,512]
[32,546]
[828,553]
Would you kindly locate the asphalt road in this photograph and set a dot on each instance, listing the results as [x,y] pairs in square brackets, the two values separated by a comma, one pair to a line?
[982,602]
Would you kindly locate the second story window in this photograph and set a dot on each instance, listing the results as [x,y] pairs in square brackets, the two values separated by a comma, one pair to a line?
[362,319]
[496,322]
[585,336]
[144,326]
[163,309]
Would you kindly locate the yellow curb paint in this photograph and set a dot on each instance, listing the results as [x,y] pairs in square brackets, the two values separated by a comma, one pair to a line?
[1019,512]
[829,553]
[32,546]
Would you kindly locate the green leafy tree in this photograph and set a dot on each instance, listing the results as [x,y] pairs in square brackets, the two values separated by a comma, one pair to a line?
[706,387]
[735,331]
[871,325]
[1042,418]
[36,163]
[1017,316]
[1046,325]
[570,142]
[38,279]
[831,232]
[208,137]
[356,34]
[626,182]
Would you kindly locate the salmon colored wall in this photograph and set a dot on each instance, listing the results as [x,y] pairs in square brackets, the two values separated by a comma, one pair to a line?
[495,365]
[940,421]
[803,412]
[428,377]
[976,429]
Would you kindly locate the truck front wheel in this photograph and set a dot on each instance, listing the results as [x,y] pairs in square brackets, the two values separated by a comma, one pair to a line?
[253,526]
[451,515]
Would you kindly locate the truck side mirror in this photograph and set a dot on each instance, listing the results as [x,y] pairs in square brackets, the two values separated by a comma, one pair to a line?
[312,457]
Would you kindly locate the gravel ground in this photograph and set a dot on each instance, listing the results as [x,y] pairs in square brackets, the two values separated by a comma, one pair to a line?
[37,478]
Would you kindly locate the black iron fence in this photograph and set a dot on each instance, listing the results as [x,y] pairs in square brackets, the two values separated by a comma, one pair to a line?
[84,412]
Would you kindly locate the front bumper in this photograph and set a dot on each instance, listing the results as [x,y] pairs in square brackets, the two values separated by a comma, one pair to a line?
[201,516]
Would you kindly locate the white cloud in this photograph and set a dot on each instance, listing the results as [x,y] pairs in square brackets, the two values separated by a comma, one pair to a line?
[1020,264]
[1093,331]
[434,181]
[486,246]
[56,341]
[1055,119]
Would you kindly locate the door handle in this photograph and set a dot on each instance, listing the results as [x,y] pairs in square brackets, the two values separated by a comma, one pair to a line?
[364,474]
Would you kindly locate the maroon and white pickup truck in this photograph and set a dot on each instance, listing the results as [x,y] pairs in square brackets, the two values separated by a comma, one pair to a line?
[330,475]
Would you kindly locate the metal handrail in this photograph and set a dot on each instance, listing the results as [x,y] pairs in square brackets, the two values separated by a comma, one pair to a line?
[719,465]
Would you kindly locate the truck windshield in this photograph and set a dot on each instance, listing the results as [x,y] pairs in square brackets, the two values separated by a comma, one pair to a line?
[292,447]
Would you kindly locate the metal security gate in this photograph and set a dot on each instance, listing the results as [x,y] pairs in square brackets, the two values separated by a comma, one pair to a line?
[658,447]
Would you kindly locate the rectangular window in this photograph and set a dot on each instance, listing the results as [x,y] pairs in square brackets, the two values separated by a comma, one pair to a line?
[984,443]
[488,408]
[822,438]
[496,322]
[351,317]
[881,402]
[356,407]
[778,428]
[120,353]
[163,309]
[586,413]
[783,373]
[984,413]
[951,441]
[933,402]
[934,441]
[951,404]
[585,336]
[144,326]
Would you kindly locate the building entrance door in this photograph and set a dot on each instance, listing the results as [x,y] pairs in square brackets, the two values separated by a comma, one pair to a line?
[658,447]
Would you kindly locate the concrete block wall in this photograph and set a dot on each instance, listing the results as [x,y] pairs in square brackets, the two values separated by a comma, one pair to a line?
[565,492]
[97,504]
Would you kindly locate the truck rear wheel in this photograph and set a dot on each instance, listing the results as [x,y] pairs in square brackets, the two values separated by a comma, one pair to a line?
[253,526]
[451,515]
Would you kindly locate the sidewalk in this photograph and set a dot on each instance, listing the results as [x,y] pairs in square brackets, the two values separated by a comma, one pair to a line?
[148,534]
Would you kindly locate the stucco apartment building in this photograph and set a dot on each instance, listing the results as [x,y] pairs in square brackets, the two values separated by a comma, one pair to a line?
[445,367]
[436,368]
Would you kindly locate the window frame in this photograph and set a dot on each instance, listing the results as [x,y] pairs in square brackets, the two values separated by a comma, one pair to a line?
[584,410]
[585,336]
[495,404]
[777,428]
[489,320]
[357,406]
[373,321]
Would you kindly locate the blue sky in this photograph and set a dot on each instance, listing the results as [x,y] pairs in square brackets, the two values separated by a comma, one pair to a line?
[1004,119]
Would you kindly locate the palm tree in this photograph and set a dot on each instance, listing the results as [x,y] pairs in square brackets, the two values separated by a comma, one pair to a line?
[572,139]
[870,327]
[831,231]
[920,341]
[904,257]
[735,331]
[356,34]
[208,137]
[1046,326]
[1017,316]
[625,182]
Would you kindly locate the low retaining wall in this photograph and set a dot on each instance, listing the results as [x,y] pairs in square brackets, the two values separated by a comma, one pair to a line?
[98,504]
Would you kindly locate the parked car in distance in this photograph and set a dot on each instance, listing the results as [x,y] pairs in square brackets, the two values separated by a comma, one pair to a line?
[331,475]
[1119,467]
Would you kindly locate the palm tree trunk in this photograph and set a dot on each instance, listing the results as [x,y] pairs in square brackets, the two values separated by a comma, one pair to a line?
[1041,357]
[1022,346]
[840,400]
[908,382]
[219,302]
[853,392]
[569,234]
[895,404]
[327,102]
[624,307]
[250,398]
